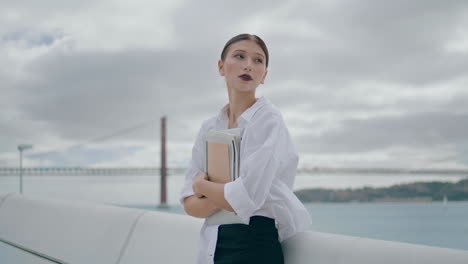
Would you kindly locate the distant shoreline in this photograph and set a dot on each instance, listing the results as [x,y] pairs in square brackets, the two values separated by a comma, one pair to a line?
[417,192]
[381,202]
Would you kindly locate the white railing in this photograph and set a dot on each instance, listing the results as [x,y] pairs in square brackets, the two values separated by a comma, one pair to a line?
[54,231]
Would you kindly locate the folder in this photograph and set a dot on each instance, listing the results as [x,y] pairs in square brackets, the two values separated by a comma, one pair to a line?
[222,163]
[222,155]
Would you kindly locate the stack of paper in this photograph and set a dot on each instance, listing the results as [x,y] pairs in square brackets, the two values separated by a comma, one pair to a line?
[222,163]
[222,155]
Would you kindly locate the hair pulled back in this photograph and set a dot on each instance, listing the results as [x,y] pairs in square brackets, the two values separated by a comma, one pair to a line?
[240,37]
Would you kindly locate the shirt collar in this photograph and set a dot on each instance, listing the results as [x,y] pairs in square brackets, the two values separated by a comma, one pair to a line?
[247,114]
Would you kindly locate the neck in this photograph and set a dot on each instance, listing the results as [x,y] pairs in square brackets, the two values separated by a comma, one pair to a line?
[238,103]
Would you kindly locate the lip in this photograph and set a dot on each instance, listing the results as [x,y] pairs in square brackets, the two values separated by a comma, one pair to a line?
[245,77]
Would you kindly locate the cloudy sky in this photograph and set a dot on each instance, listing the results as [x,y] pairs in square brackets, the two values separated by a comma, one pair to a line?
[360,83]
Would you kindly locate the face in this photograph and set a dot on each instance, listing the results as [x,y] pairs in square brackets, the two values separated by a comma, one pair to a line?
[244,66]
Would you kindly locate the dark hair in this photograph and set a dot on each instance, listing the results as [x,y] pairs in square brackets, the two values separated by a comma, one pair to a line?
[240,37]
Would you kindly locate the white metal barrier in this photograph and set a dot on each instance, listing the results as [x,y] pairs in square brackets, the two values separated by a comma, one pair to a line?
[54,231]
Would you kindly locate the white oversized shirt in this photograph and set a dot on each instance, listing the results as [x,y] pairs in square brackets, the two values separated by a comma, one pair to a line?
[268,164]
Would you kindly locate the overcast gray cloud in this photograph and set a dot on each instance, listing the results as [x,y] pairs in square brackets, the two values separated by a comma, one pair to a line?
[414,131]
[360,83]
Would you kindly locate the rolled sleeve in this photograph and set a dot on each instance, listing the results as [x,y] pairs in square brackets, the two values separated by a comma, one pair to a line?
[259,167]
[237,196]
[196,166]
[187,190]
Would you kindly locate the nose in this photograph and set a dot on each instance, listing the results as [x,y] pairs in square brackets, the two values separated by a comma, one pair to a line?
[248,66]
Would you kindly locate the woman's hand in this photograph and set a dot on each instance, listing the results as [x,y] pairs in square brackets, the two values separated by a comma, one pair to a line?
[214,192]
[199,179]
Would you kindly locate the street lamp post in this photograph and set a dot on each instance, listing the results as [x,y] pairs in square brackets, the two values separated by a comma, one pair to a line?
[21,148]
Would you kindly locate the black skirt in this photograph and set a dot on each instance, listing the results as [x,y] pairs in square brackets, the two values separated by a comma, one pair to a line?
[254,243]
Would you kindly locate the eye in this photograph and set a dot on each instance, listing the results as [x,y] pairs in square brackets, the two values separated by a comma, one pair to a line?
[259,60]
[240,56]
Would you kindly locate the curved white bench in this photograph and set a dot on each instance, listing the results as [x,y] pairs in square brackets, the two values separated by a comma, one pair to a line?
[72,232]
[69,232]
[321,248]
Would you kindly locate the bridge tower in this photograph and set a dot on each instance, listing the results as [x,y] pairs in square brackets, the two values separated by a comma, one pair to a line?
[163,202]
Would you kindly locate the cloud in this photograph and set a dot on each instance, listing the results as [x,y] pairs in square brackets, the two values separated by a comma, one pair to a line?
[373,83]
[418,130]
[376,40]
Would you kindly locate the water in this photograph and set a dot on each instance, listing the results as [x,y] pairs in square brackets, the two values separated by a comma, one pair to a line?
[145,189]
[433,224]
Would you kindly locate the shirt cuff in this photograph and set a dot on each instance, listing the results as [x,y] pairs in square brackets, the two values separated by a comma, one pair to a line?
[236,195]
[186,192]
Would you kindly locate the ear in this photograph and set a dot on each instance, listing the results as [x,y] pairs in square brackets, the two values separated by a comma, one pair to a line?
[221,67]
[263,78]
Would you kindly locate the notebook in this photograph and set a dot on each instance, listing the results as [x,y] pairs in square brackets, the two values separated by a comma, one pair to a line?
[222,155]
[222,161]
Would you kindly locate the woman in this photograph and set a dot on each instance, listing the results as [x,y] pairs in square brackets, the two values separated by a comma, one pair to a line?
[262,195]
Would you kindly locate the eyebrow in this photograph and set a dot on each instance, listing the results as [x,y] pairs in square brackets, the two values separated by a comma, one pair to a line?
[255,52]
